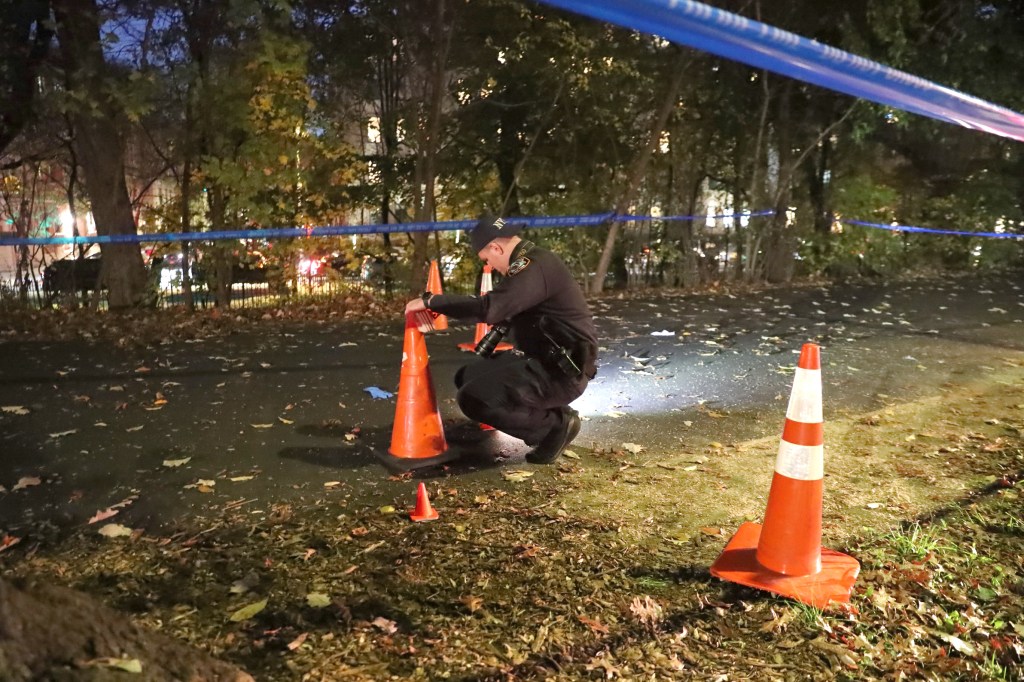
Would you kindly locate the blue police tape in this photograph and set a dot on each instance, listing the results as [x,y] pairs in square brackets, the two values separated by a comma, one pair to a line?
[348,230]
[931,230]
[529,222]
[752,42]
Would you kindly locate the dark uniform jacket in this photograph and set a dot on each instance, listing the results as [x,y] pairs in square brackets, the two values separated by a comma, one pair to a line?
[540,300]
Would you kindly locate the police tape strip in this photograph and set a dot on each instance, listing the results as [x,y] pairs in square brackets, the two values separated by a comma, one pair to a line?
[446,226]
[350,230]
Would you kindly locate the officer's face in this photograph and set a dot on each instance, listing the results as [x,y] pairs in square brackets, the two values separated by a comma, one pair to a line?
[494,255]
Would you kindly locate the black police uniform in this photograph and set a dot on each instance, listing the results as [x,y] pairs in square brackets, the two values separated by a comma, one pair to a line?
[526,393]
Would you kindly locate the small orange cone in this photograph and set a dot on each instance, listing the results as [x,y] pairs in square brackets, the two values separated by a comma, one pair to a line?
[434,287]
[785,555]
[486,284]
[423,510]
[417,438]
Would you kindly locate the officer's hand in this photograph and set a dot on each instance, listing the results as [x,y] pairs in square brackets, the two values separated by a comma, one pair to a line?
[414,306]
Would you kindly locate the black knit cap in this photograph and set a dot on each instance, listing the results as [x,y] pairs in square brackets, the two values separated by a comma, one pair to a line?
[489,228]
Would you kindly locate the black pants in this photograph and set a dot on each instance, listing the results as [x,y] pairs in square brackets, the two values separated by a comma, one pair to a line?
[516,394]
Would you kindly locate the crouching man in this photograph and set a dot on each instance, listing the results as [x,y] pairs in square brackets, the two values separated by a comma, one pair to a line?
[524,392]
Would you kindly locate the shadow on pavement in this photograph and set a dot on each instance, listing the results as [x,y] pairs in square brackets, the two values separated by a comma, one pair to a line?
[470,447]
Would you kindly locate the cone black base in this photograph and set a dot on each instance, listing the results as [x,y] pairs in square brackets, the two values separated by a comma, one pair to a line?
[411,463]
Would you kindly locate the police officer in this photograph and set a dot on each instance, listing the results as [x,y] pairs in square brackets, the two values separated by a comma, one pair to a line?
[526,392]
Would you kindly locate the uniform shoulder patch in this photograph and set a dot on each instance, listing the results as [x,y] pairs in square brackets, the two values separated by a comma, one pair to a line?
[518,265]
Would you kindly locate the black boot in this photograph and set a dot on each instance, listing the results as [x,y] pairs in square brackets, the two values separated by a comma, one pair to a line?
[548,450]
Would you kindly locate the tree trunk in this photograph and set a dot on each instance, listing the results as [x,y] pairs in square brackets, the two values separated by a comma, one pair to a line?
[817,186]
[100,150]
[221,255]
[54,633]
[27,33]
[436,48]
[186,201]
[780,244]
[636,175]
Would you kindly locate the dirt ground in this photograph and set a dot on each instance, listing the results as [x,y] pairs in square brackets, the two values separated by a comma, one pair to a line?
[597,568]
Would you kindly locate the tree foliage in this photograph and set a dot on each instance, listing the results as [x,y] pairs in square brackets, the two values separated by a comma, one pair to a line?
[266,113]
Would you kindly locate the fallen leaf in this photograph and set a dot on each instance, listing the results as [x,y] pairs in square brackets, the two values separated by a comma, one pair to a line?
[61,434]
[114,530]
[386,626]
[14,409]
[318,600]
[472,603]
[593,624]
[128,665]
[779,623]
[103,515]
[261,426]
[516,475]
[176,462]
[633,447]
[8,541]
[285,421]
[966,648]
[297,642]
[26,481]
[610,671]
[247,612]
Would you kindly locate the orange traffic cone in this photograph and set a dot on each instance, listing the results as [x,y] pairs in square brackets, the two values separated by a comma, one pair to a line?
[785,554]
[423,510]
[417,438]
[434,287]
[486,284]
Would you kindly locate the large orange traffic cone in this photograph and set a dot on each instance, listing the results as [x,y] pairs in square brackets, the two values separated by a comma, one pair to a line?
[434,287]
[785,554]
[423,510]
[486,284]
[417,438]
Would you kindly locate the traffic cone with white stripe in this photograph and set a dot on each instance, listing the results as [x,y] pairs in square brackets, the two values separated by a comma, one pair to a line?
[417,436]
[486,284]
[785,555]
[434,287]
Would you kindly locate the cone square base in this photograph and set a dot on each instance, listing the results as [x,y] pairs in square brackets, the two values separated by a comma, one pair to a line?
[738,564]
[409,463]
[422,518]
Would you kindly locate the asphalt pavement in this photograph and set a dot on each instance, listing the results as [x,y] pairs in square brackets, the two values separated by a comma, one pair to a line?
[282,413]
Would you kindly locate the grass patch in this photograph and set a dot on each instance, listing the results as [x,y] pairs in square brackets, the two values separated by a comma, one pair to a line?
[598,568]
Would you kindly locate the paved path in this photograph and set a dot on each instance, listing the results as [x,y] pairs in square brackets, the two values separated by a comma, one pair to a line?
[271,416]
